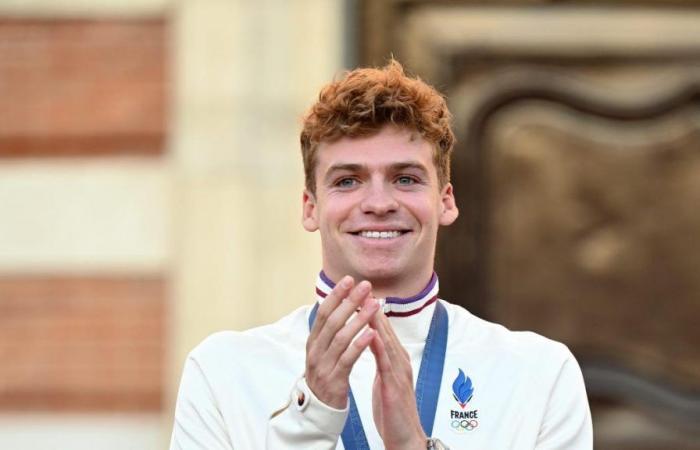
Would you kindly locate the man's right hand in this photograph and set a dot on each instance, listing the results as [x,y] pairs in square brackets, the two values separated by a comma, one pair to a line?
[330,349]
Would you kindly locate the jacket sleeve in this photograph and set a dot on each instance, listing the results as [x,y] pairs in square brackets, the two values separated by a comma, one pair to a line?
[305,422]
[198,424]
[567,419]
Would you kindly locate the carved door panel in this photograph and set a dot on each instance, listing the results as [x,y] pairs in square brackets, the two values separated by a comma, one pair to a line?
[577,175]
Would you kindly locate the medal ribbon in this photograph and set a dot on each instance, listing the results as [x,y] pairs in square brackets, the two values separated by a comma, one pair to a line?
[427,385]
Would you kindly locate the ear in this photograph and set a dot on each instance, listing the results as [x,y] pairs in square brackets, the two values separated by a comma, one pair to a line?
[309,218]
[449,211]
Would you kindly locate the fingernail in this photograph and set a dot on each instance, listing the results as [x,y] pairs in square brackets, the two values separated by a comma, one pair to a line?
[374,305]
[365,286]
[346,281]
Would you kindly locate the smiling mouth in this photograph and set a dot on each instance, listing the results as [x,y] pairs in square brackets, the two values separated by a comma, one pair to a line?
[380,234]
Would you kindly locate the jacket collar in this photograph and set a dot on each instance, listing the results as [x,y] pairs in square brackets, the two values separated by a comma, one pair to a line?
[392,306]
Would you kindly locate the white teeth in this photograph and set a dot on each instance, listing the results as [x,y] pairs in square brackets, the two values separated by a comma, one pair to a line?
[380,234]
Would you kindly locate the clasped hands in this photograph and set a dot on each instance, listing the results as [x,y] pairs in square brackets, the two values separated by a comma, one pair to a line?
[331,353]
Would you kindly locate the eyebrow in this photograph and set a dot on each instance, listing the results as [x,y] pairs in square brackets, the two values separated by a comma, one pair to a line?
[355,168]
[349,167]
[414,165]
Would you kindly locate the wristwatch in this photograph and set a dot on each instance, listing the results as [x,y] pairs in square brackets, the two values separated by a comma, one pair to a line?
[436,444]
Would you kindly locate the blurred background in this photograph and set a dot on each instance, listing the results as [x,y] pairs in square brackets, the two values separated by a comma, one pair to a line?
[150,192]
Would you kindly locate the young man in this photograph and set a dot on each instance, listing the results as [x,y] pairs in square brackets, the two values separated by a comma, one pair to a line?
[379,361]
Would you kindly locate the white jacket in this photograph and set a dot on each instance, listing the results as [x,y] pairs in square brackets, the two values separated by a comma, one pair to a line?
[528,390]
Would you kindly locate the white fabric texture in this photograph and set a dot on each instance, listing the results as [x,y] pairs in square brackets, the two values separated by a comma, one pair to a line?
[235,389]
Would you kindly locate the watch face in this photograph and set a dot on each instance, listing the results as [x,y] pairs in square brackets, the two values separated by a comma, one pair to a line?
[439,445]
[436,444]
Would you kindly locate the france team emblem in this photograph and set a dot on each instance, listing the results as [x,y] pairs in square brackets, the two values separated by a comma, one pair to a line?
[462,389]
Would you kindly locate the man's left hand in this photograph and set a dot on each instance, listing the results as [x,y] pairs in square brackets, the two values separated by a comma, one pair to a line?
[393,390]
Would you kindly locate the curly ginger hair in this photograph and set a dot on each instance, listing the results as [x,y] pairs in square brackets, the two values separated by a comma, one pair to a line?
[365,100]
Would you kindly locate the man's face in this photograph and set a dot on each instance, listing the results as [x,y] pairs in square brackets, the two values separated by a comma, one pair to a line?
[378,206]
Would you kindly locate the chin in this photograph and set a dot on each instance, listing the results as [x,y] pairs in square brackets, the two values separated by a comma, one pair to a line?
[380,271]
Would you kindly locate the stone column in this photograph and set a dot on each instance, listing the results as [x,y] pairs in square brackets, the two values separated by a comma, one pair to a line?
[244,74]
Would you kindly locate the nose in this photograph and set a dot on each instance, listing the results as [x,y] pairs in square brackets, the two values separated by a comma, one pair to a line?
[378,199]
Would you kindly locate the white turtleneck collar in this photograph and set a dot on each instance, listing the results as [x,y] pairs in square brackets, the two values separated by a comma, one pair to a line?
[410,317]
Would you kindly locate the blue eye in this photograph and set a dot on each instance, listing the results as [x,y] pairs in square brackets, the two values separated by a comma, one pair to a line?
[405,180]
[346,182]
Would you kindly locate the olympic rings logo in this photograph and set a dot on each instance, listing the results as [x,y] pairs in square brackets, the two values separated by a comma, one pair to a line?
[464,425]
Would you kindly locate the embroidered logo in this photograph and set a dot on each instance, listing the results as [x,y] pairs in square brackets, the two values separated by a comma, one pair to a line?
[463,391]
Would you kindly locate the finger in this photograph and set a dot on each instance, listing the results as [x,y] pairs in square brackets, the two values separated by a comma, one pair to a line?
[345,335]
[393,346]
[381,357]
[394,339]
[339,317]
[381,324]
[330,303]
[390,330]
[352,353]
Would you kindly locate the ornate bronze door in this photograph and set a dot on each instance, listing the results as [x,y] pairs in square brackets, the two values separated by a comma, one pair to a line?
[577,175]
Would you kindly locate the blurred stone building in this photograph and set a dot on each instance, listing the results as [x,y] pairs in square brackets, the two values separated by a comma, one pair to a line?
[150,187]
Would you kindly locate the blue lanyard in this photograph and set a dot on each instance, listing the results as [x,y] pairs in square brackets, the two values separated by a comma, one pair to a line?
[427,385]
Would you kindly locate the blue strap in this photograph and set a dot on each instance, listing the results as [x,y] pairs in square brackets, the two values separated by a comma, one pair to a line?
[353,434]
[430,372]
[427,385]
